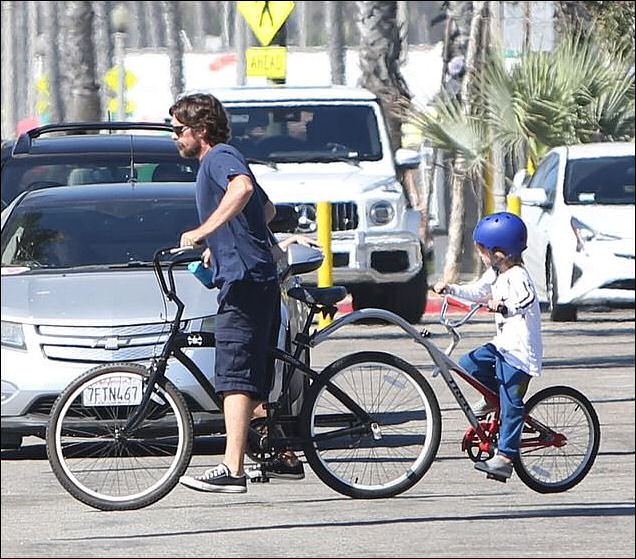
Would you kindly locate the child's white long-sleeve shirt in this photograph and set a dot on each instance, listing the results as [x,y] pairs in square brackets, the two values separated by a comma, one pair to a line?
[518,336]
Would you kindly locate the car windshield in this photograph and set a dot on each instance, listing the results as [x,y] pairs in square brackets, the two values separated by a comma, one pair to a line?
[55,234]
[602,180]
[39,171]
[303,133]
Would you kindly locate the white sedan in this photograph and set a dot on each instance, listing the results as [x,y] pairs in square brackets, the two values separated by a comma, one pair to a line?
[579,210]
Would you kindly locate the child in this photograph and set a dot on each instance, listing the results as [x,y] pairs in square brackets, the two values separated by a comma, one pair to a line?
[507,363]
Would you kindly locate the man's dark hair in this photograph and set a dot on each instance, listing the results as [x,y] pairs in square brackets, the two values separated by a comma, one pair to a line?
[203,111]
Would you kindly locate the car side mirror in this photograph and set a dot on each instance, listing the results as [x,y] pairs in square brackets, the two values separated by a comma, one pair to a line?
[407,159]
[285,220]
[534,197]
[302,259]
[520,179]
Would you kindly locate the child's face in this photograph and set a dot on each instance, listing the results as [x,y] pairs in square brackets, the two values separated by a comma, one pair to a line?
[494,258]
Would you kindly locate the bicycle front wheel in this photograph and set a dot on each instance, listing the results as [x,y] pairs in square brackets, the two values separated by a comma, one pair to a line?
[100,464]
[391,454]
[560,441]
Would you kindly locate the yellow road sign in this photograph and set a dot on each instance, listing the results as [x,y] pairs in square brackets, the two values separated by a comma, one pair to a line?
[265,61]
[265,18]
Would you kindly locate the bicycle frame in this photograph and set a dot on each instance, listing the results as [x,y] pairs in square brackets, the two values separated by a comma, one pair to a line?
[444,363]
[178,340]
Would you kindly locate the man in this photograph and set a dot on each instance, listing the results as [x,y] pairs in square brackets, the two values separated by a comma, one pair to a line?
[234,212]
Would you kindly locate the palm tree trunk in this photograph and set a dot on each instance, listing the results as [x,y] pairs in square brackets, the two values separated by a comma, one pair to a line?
[172,27]
[52,57]
[457,216]
[9,117]
[84,94]
[456,223]
[103,48]
[32,57]
[379,60]
[336,41]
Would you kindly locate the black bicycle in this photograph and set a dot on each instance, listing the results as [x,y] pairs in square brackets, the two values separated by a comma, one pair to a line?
[121,435]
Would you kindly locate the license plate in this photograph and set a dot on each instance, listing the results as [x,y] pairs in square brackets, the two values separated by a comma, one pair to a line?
[114,391]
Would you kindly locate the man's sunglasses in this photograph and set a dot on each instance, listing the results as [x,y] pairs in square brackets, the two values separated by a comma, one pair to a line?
[178,130]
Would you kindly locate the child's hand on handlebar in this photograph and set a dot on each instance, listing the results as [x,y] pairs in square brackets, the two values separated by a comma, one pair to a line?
[496,306]
[440,287]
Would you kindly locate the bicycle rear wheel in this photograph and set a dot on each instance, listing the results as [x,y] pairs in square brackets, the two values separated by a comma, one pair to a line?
[392,455]
[103,467]
[556,460]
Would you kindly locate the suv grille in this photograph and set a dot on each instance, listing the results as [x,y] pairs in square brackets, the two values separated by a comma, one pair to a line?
[103,344]
[344,216]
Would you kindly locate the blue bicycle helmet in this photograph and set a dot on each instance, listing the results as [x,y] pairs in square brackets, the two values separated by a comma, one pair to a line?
[503,231]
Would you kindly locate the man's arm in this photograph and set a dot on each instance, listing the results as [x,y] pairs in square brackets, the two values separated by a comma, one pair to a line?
[270,211]
[237,195]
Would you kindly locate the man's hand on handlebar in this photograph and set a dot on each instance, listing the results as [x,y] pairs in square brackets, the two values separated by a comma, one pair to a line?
[190,239]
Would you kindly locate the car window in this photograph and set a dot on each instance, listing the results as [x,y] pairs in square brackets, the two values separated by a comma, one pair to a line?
[538,179]
[306,133]
[94,232]
[601,180]
[40,171]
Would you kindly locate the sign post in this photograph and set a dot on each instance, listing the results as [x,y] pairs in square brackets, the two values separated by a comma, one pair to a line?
[265,19]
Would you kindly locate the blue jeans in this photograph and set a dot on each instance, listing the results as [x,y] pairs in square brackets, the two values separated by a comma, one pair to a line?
[488,366]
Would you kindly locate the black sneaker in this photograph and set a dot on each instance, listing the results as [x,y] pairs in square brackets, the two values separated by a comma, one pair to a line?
[216,480]
[281,466]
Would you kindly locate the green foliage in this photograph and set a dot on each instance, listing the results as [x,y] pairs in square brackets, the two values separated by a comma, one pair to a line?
[578,93]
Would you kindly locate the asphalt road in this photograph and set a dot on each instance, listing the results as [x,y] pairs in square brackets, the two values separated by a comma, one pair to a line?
[452,512]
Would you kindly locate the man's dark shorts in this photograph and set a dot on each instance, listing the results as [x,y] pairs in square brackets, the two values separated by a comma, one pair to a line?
[243,330]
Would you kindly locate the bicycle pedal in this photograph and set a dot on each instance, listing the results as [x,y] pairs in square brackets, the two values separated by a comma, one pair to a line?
[257,476]
[497,478]
[259,479]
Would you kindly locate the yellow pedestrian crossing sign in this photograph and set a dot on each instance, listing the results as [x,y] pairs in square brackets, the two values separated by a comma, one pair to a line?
[265,18]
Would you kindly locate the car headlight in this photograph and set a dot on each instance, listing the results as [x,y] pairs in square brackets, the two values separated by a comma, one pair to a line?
[13,335]
[8,390]
[584,234]
[381,213]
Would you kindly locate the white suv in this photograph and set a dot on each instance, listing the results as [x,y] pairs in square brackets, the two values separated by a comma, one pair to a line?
[579,209]
[312,144]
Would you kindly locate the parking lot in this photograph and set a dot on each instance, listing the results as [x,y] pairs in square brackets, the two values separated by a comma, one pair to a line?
[453,511]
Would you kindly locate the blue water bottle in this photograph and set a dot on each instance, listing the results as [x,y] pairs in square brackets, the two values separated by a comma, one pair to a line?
[203,274]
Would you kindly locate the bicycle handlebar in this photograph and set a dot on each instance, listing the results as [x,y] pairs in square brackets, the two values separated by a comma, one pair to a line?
[169,288]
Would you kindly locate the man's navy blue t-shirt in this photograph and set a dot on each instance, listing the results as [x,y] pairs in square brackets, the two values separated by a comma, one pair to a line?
[240,248]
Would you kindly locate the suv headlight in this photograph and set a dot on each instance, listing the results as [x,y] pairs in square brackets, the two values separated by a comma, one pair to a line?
[381,213]
[12,335]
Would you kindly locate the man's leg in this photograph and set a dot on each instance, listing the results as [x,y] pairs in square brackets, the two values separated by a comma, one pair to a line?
[237,409]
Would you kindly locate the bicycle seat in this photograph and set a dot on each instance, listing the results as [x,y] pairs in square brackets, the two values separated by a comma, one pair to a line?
[318,295]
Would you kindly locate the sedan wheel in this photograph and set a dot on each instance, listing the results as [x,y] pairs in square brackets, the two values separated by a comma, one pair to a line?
[558,313]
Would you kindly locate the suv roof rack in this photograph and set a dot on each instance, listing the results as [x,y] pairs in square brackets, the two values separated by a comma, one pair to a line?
[23,144]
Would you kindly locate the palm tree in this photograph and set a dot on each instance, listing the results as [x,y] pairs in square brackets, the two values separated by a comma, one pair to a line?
[172,27]
[336,41]
[379,60]
[84,101]
[574,94]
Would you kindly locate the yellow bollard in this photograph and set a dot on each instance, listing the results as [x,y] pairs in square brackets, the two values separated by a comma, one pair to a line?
[513,203]
[323,221]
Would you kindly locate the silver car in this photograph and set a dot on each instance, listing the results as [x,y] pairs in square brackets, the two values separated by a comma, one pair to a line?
[78,290]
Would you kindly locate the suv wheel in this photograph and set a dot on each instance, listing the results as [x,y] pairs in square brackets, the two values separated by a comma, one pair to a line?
[409,299]
[558,313]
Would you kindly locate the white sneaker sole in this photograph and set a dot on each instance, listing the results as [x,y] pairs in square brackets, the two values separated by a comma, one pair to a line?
[199,485]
